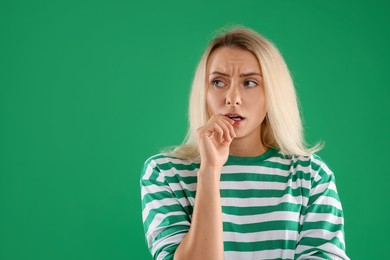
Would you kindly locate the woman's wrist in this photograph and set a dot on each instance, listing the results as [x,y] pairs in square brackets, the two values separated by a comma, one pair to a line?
[209,174]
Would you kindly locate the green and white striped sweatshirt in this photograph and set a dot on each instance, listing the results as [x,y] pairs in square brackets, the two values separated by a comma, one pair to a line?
[273,206]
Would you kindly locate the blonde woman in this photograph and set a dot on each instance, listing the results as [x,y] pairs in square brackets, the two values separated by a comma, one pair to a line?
[243,185]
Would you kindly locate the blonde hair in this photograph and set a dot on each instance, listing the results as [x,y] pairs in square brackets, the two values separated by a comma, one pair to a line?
[282,127]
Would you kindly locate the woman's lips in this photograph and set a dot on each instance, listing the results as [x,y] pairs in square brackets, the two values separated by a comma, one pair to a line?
[238,119]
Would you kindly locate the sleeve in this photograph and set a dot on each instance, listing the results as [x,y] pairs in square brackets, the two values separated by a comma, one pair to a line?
[164,219]
[321,234]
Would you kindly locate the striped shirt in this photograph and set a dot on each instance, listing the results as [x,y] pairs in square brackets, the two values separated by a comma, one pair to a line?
[273,206]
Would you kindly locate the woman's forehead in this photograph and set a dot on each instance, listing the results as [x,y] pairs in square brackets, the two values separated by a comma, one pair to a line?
[225,60]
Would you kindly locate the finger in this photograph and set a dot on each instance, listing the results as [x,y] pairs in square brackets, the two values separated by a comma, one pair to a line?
[225,124]
[226,131]
[229,125]
[218,131]
[231,121]
[232,131]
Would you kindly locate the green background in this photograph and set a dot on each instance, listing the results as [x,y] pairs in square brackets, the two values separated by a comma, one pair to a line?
[90,89]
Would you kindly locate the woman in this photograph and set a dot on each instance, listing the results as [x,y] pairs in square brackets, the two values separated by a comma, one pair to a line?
[243,185]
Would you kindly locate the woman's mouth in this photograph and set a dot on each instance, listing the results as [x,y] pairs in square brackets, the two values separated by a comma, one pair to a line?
[236,117]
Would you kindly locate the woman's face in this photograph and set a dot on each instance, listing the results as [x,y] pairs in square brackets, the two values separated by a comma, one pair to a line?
[235,89]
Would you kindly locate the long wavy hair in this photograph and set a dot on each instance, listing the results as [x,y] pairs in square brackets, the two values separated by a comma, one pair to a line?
[282,126]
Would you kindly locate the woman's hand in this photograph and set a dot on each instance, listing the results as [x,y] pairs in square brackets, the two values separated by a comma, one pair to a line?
[214,139]
[204,239]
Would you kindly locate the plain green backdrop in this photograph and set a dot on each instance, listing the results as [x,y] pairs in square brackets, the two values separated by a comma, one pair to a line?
[90,89]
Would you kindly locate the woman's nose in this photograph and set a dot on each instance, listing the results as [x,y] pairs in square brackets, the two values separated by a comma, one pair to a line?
[233,97]
[236,102]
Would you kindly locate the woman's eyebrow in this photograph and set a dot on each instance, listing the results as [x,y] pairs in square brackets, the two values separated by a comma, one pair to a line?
[250,74]
[219,73]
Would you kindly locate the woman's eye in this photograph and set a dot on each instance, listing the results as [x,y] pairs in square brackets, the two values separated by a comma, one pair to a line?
[218,83]
[250,83]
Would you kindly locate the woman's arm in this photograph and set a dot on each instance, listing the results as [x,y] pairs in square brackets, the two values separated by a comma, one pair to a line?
[165,218]
[204,239]
[322,224]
